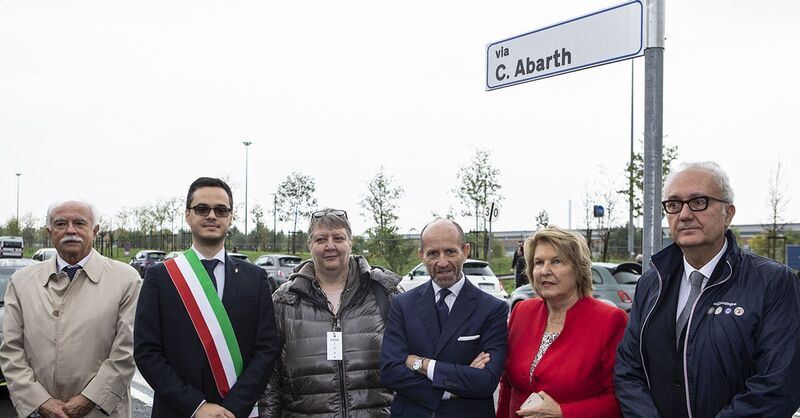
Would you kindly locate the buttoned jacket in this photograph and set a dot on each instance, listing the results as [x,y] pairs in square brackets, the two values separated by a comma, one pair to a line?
[67,337]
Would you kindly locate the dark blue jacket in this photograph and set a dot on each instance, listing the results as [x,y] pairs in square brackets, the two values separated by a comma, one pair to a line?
[477,323]
[741,346]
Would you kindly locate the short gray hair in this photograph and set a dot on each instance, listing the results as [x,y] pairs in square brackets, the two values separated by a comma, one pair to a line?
[710,167]
[329,220]
[56,205]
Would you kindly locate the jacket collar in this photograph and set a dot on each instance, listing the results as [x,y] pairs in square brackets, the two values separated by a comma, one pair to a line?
[670,259]
[93,269]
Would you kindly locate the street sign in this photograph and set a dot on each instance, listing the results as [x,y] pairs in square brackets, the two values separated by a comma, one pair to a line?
[492,212]
[603,37]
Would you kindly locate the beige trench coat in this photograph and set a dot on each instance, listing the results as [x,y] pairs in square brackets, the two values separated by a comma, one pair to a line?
[65,338]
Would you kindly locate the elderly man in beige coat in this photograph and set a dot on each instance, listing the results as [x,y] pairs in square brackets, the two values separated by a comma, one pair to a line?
[68,326]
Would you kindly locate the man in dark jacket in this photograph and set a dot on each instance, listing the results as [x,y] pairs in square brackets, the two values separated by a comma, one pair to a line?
[713,331]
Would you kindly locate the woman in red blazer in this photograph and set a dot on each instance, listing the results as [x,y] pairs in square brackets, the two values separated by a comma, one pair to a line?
[562,344]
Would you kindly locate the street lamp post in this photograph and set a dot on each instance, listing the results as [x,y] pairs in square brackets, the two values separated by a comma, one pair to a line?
[18,175]
[246,162]
[274,221]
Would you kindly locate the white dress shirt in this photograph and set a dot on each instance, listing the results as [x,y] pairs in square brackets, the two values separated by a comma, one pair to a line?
[449,301]
[706,270]
[61,263]
[219,270]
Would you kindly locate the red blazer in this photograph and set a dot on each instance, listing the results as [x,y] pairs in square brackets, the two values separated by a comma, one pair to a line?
[577,371]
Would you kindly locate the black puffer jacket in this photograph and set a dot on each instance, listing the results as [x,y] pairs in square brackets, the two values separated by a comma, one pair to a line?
[305,382]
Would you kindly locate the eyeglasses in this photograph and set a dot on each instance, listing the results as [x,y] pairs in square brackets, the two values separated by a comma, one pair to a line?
[696,204]
[335,212]
[204,210]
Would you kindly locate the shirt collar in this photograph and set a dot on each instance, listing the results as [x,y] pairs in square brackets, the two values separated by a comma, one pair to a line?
[455,288]
[61,263]
[220,255]
[707,269]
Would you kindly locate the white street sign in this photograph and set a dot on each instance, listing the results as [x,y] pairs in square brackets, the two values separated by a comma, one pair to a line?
[492,211]
[603,37]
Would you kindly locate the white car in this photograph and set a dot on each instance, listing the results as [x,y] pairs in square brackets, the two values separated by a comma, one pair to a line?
[477,271]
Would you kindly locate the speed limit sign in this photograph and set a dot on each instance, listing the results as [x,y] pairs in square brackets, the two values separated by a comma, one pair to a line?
[492,211]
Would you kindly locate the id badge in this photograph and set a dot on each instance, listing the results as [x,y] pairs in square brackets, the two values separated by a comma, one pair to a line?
[335,345]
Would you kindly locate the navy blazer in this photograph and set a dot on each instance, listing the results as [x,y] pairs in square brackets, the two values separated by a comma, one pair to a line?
[477,323]
[171,358]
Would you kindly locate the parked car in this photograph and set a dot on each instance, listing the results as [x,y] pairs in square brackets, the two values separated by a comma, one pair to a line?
[11,247]
[611,282]
[278,266]
[240,256]
[146,258]
[172,254]
[8,266]
[477,271]
[44,254]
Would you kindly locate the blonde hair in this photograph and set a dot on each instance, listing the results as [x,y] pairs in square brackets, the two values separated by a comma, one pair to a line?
[570,247]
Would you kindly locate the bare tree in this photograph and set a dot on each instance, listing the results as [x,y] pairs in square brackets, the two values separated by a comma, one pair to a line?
[480,184]
[542,219]
[776,203]
[635,171]
[295,198]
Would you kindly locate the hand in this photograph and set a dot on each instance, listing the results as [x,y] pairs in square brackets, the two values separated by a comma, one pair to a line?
[212,410]
[53,408]
[548,409]
[78,406]
[481,361]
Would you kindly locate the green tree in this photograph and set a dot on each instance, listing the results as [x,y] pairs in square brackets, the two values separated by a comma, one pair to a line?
[380,203]
[295,198]
[479,185]
[636,170]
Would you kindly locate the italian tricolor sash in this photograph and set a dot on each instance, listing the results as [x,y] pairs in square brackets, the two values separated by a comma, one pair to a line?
[209,318]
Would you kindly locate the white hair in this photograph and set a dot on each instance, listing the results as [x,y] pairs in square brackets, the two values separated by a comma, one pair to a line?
[717,174]
[56,205]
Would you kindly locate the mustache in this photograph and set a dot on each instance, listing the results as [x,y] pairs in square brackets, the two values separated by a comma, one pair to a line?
[71,238]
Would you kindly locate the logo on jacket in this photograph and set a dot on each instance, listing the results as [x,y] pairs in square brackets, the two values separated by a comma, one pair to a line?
[739,311]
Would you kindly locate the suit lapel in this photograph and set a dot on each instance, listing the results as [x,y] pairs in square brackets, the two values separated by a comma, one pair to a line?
[232,281]
[462,309]
[426,309]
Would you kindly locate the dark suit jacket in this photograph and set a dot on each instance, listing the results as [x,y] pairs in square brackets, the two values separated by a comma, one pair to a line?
[171,358]
[412,328]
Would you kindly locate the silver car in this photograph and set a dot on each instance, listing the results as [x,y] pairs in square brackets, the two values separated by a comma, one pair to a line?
[611,282]
[477,271]
[278,266]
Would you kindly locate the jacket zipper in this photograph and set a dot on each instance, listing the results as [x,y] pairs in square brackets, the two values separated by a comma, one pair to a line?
[686,338]
[644,323]
[337,327]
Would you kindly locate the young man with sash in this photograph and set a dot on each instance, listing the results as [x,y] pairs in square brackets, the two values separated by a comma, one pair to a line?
[204,336]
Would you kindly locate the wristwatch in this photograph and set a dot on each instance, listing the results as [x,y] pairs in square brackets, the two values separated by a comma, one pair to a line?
[417,364]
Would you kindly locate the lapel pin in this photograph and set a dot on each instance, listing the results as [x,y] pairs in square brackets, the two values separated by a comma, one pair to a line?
[236,270]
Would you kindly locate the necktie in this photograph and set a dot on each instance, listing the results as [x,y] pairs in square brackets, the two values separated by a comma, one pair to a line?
[441,308]
[71,270]
[696,278]
[210,265]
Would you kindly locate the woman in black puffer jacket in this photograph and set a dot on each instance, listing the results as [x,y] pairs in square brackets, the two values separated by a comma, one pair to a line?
[332,292]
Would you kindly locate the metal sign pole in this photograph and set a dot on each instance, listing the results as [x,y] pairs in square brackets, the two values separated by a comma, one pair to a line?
[653,129]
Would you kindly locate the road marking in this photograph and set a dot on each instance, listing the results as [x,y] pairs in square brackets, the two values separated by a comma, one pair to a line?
[141,396]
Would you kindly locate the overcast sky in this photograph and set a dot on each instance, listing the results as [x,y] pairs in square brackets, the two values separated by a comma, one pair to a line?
[125,103]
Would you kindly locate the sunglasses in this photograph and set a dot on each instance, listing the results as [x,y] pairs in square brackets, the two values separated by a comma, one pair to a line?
[204,210]
[335,212]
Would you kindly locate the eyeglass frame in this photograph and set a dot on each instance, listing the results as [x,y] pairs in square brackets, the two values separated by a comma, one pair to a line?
[203,207]
[688,204]
[335,212]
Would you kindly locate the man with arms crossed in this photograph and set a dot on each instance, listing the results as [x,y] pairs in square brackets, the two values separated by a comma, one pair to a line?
[444,346]
[713,330]
[68,325]
[205,333]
